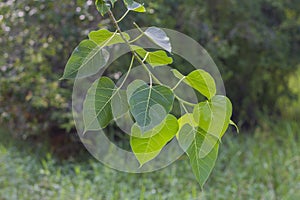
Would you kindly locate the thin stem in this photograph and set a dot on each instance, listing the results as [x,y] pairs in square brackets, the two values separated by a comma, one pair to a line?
[184,101]
[178,83]
[137,38]
[137,26]
[128,72]
[147,54]
[125,14]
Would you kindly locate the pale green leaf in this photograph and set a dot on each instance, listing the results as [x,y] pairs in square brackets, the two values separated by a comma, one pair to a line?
[147,148]
[159,37]
[187,118]
[97,112]
[149,105]
[107,38]
[87,59]
[213,117]
[203,82]
[156,58]
[200,80]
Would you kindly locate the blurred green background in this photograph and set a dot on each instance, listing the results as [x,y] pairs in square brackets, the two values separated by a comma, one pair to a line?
[255,44]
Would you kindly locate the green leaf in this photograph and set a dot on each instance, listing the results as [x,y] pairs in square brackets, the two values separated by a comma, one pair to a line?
[119,104]
[186,132]
[102,6]
[201,166]
[147,148]
[203,82]
[149,105]
[87,59]
[156,58]
[200,80]
[213,117]
[107,38]
[134,6]
[159,37]
[97,112]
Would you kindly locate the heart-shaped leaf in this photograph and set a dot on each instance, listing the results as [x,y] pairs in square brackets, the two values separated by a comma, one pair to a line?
[87,59]
[200,80]
[146,146]
[149,105]
[213,117]
[97,112]
[156,58]
[159,37]
[201,166]
[134,6]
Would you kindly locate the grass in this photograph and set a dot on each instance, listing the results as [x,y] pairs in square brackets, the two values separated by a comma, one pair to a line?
[263,165]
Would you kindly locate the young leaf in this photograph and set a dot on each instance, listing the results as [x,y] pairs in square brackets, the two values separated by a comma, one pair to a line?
[149,105]
[200,80]
[107,38]
[147,148]
[213,117]
[201,166]
[156,58]
[102,6]
[159,37]
[88,58]
[203,82]
[134,6]
[97,111]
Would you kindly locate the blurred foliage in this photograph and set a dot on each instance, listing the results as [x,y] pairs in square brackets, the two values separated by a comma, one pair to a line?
[254,43]
[37,38]
[265,166]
